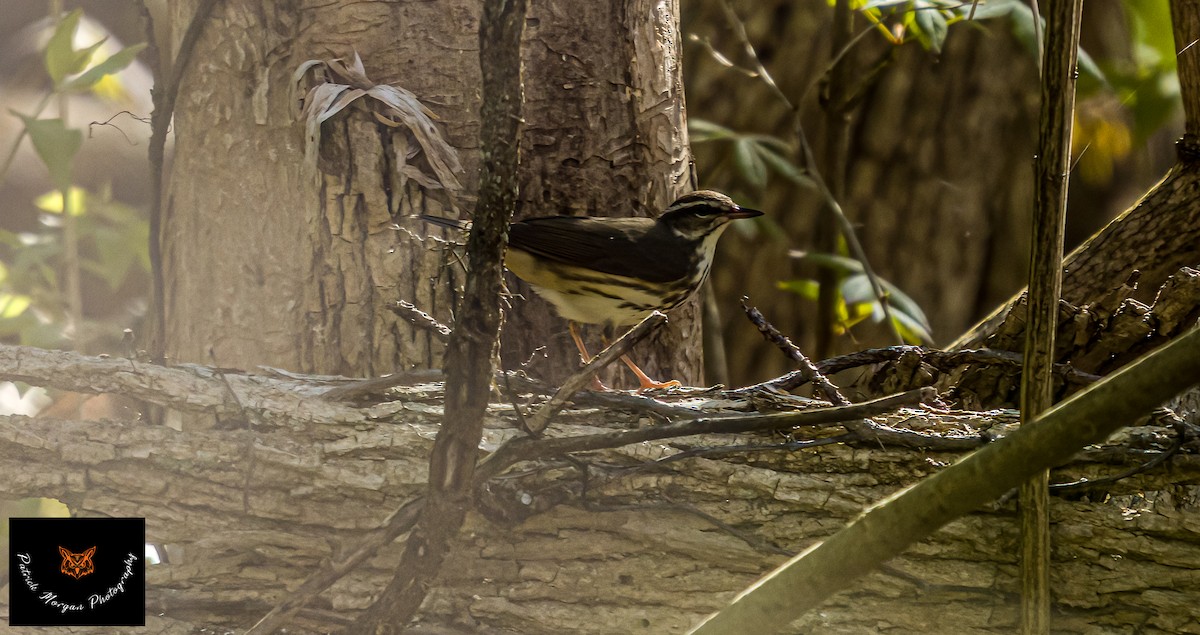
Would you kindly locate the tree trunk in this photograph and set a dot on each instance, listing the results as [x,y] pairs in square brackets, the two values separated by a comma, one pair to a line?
[267,263]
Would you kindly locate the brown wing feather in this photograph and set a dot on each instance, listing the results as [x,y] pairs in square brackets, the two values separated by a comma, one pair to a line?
[632,247]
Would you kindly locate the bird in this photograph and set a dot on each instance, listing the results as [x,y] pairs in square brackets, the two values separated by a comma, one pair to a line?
[617,271]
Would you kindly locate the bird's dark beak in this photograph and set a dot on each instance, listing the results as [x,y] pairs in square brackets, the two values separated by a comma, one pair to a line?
[743,212]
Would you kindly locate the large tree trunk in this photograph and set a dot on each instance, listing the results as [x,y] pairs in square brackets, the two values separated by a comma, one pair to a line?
[267,263]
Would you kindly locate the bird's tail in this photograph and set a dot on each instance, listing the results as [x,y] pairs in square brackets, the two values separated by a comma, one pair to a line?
[452,223]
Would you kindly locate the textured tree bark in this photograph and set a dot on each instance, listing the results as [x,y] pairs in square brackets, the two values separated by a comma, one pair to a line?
[246,514]
[268,264]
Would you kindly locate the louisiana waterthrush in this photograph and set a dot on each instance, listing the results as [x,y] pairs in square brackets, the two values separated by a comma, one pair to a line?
[616,271]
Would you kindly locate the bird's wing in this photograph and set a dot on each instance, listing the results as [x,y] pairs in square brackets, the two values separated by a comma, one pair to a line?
[452,223]
[627,247]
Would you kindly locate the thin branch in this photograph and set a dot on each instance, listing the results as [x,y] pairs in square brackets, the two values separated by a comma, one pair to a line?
[540,419]
[363,388]
[525,449]
[401,521]
[944,361]
[1052,169]
[1181,436]
[806,370]
[420,319]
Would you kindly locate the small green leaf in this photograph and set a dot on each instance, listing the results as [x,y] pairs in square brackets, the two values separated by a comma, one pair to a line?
[61,58]
[840,264]
[12,305]
[702,130]
[931,25]
[56,144]
[856,289]
[902,303]
[785,168]
[52,202]
[878,4]
[809,289]
[911,330]
[111,66]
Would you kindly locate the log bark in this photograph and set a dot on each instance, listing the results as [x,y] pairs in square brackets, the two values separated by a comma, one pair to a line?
[246,512]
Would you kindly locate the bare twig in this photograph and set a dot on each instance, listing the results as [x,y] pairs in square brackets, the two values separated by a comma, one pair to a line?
[944,361]
[1181,436]
[540,419]
[420,319]
[806,370]
[1052,168]
[525,448]
[377,385]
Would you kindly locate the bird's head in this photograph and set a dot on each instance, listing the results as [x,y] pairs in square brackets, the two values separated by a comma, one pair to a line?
[703,213]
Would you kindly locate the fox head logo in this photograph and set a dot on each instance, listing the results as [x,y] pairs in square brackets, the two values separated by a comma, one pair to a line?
[76,565]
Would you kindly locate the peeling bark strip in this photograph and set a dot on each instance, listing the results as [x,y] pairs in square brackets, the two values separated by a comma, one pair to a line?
[476,332]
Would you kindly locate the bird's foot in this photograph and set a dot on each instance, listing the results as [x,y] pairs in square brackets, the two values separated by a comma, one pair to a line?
[650,384]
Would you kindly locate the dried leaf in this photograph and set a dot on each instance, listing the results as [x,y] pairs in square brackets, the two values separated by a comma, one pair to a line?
[347,82]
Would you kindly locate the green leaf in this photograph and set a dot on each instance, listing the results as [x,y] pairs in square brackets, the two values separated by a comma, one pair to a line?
[1153,44]
[749,163]
[905,305]
[840,264]
[702,130]
[61,58]
[52,202]
[856,289]
[931,25]
[13,305]
[111,66]
[878,4]
[911,330]
[56,144]
[785,168]
[809,289]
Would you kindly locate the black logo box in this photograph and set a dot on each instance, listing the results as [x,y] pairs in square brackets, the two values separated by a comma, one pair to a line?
[112,593]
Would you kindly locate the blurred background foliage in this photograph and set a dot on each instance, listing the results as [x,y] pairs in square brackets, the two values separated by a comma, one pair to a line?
[940,110]
[941,120]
